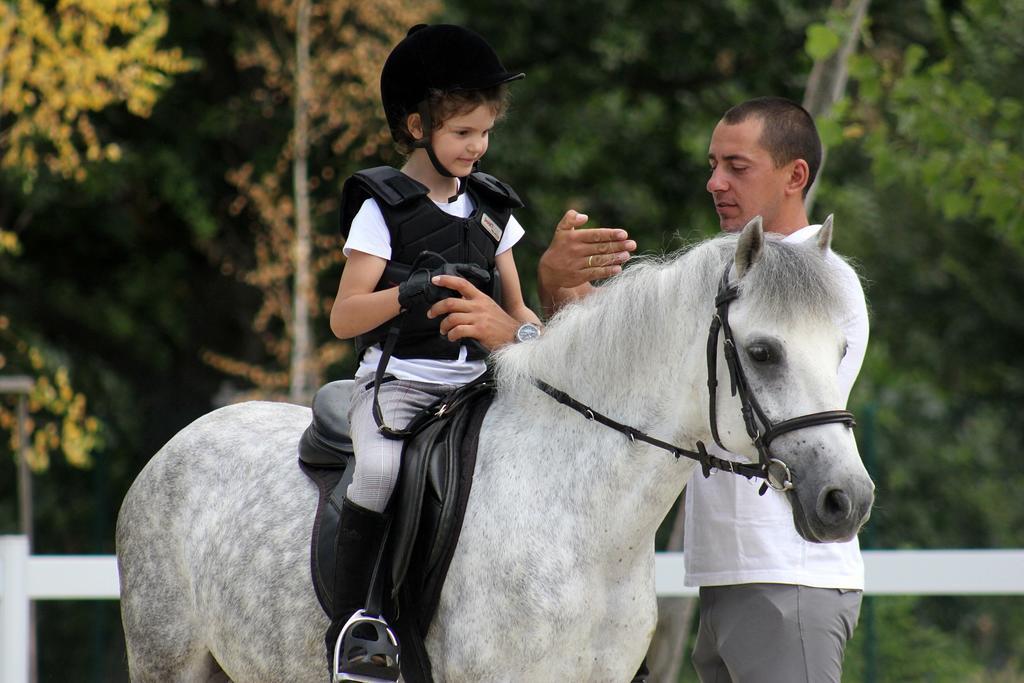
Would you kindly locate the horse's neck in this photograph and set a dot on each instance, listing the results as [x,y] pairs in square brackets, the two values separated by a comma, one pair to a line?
[635,350]
[637,356]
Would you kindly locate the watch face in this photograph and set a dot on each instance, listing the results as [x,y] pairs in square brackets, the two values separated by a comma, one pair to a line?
[527,331]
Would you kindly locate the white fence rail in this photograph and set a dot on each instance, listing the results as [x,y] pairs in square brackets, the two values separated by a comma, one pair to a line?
[25,577]
[902,572]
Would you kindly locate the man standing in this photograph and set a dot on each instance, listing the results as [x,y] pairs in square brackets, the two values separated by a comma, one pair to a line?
[774,608]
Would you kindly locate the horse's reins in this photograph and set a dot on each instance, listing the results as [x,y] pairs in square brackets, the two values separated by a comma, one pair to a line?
[701,455]
[775,472]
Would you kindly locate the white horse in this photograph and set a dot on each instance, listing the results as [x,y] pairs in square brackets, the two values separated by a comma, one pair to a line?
[553,579]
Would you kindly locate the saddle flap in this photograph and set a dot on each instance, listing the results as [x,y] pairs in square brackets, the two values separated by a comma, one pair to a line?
[405,523]
[435,479]
[444,474]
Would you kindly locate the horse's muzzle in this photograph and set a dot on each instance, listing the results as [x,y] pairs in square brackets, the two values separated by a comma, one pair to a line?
[833,513]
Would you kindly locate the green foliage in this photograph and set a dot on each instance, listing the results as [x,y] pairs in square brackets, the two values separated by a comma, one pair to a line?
[923,652]
[926,178]
[951,123]
[822,41]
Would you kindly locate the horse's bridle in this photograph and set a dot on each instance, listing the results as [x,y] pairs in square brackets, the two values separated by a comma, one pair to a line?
[760,428]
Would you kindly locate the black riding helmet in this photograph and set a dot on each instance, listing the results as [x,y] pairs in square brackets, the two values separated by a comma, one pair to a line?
[441,57]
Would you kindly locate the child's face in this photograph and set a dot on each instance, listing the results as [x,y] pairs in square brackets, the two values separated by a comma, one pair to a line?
[462,139]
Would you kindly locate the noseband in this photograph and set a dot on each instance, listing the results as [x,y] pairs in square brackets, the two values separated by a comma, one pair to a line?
[760,428]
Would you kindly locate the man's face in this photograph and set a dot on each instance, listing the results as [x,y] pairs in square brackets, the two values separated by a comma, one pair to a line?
[744,180]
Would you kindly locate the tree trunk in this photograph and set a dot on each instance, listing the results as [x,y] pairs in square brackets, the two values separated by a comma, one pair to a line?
[668,648]
[302,366]
[827,82]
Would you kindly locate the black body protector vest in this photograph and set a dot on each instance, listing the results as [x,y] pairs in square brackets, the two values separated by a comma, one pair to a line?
[417,224]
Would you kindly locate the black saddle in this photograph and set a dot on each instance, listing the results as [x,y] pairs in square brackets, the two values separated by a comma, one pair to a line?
[427,509]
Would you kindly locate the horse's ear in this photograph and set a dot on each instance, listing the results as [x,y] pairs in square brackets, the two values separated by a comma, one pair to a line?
[749,246]
[825,235]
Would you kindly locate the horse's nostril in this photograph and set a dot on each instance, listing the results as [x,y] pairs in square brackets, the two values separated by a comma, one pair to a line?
[834,506]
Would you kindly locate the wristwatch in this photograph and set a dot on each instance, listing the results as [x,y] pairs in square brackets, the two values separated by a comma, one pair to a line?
[526,332]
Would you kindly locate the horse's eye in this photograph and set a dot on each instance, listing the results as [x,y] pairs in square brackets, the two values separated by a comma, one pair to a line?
[759,353]
[846,349]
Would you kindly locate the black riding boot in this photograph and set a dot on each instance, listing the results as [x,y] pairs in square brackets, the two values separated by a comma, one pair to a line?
[366,648]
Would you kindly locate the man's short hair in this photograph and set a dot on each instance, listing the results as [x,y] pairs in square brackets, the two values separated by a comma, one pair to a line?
[789,132]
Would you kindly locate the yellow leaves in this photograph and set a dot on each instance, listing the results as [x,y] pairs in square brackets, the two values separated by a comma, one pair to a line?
[58,420]
[127,15]
[81,57]
[853,131]
[79,433]
[38,456]
[9,243]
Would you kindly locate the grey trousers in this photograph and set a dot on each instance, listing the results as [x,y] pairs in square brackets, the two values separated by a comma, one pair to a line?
[378,458]
[774,633]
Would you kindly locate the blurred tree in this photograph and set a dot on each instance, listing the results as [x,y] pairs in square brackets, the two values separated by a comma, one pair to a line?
[949,118]
[934,133]
[57,68]
[60,65]
[929,165]
[58,421]
[324,59]
[831,45]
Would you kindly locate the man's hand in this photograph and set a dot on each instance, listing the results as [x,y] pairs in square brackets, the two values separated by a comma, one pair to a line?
[474,316]
[577,257]
[419,291]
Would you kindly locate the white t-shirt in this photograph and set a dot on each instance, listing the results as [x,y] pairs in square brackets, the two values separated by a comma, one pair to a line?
[369,234]
[734,536]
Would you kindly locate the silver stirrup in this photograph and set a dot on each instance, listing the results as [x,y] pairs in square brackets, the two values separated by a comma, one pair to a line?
[385,644]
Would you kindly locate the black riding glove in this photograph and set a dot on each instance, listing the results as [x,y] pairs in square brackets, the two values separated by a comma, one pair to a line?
[418,293]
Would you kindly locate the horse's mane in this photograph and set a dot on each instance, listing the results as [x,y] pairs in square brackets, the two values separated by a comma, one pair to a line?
[662,296]
[791,281]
